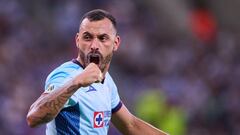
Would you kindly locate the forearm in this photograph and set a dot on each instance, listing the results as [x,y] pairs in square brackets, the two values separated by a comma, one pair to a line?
[46,107]
[139,127]
[128,124]
[49,105]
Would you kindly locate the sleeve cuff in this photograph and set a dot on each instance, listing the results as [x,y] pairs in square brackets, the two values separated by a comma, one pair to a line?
[118,107]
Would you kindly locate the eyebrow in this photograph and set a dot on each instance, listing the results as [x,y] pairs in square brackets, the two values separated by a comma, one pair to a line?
[104,34]
[88,33]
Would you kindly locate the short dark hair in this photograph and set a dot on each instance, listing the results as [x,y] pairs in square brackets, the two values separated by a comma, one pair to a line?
[99,14]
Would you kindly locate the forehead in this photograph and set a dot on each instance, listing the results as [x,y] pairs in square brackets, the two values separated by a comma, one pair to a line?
[103,26]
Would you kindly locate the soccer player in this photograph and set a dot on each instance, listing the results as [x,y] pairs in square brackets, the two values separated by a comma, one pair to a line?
[80,97]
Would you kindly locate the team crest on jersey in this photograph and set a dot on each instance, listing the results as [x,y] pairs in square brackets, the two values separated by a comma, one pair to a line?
[98,119]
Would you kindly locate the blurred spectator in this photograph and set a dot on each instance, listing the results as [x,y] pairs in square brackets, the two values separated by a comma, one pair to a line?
[154,108]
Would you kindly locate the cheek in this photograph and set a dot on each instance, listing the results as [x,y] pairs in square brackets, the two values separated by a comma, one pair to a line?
[108,50]
[83,47]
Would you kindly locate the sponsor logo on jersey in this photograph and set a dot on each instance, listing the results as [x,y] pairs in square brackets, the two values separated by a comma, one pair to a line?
[91,88]
[50,88]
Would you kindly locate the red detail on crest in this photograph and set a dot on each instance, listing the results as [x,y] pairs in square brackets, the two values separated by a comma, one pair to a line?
[98,119]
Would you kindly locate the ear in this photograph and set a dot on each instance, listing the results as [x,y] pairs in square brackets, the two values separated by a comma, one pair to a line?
[77,40]
[116,43]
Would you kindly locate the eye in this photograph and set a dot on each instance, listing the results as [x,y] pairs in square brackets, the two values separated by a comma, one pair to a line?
[103,38]
[87,37]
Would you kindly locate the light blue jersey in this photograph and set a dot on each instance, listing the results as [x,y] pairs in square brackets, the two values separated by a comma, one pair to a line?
[89,110]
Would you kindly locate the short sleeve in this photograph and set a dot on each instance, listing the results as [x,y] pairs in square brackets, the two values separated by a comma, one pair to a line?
[56,80]
[116,103]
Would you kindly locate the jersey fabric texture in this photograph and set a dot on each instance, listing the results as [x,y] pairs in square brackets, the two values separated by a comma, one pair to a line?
[88,111]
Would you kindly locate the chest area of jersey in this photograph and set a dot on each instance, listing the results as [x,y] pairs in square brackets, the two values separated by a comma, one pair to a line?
[96,97]
[95,104]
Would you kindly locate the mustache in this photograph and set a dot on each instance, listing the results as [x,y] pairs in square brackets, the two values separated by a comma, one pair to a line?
[94,52]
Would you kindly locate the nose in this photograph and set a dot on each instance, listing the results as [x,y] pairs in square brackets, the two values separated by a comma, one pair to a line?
[95,44]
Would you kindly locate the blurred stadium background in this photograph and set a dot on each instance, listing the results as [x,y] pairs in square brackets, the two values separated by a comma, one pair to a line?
[177,68]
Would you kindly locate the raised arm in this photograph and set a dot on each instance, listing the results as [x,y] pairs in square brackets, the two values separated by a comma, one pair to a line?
[128,124]
[48,105]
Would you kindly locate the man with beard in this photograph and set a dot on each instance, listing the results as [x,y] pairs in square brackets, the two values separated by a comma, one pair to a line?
[80,96]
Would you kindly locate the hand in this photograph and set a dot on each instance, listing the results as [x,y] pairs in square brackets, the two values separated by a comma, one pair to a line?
[90,74]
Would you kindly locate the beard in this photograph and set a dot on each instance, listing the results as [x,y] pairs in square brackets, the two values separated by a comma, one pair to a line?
[94,56]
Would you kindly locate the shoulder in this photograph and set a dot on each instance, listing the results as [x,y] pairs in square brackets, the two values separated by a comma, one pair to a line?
[109,80]
[63,70]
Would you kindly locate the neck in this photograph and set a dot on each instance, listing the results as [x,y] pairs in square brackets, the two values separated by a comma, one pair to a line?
[80,60]
[106,69]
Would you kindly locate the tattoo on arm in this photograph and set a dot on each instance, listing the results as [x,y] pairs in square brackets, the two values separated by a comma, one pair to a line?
[48,106]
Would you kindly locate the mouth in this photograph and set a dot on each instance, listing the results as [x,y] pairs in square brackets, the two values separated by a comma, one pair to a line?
[94,58]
